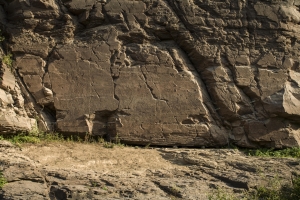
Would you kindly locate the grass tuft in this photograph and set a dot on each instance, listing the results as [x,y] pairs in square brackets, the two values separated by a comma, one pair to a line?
[7,59]
[3,180]
[220,194]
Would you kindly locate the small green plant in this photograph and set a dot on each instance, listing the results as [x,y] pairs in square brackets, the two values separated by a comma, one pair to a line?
[51,137]
[116,142]
[108,145]
[7,59]
[148,145]
[88,137]
[100,140]
[104,188]
[35,131]
[175,190]
[75,138]
[3,180]
[94,184]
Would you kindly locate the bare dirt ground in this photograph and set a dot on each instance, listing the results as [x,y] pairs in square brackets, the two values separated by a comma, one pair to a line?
[68,170]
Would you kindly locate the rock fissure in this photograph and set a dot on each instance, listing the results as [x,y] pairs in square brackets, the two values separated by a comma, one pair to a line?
[151,89]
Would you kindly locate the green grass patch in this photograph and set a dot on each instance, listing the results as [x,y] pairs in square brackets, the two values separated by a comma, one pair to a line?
[25,139]
[3,180]
[7,59]
[31,138]
[35,137]
[220,194]
[289,152]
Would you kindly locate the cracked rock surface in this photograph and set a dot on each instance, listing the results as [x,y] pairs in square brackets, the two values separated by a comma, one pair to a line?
[164,72]
[89,171]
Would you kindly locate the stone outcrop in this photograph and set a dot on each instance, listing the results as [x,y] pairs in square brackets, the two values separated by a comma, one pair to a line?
[13,115]
[164,72]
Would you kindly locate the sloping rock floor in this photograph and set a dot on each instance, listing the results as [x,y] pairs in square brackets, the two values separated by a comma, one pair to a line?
[68,170]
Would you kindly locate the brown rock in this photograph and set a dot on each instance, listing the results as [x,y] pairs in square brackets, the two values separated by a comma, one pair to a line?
[159,72]
[90,171]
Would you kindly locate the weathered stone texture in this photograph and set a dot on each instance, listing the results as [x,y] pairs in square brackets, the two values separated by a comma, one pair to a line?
[190,73]
[13,116]
[54,171]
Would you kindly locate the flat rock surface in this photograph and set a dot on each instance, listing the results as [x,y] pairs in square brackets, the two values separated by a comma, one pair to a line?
[89,171]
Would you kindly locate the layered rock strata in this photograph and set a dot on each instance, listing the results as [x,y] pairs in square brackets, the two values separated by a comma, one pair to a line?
[164,72]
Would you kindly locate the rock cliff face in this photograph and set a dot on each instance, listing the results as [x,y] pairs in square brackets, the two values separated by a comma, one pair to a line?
[165,72]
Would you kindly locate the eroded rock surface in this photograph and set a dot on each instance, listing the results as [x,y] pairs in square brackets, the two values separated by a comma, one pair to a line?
[90,171]
[189,73]
[13,114]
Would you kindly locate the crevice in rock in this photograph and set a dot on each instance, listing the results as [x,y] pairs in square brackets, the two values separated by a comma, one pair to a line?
[49,57]
[114,76]
[125,19]
[187,122]
[122,112]
[196,76]
[115,95]
[203,87]
[248,99]
[261,93]
[170,190]
[197,119]
[151,89]
[107,183]
[29,96]
[230,182]
[49,116]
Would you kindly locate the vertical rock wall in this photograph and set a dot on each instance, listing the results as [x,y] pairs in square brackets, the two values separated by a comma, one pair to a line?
[188,73]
